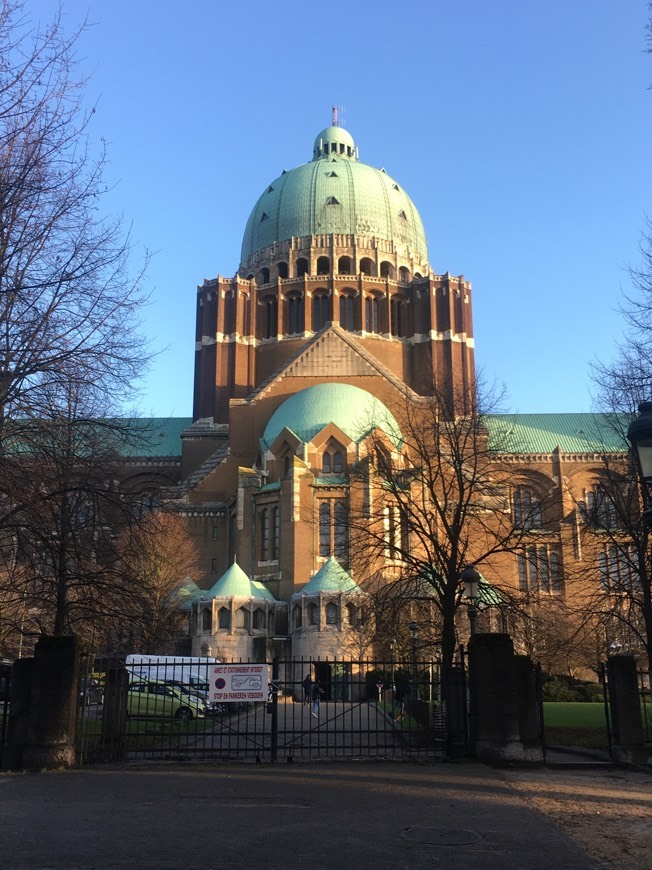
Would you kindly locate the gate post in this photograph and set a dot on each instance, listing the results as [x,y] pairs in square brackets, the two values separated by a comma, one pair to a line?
[625,703]
[53,704]
[494,720]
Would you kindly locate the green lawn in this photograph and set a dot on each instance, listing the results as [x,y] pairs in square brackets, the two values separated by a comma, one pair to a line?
[571,714]
[569,723]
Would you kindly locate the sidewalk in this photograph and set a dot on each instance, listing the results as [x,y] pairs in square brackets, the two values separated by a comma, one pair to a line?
[361,815]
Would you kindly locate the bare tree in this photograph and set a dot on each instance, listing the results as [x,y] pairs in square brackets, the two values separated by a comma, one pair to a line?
[430,506]
[68,303]
[70,343]
[617,595]
[158,555]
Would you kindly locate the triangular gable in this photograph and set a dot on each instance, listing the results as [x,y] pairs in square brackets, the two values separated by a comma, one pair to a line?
[332,353]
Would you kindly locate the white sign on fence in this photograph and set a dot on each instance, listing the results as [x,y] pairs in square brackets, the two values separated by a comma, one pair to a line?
[243,682]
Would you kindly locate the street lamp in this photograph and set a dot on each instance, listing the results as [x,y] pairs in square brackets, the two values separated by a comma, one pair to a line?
[471,580]
[414,633]
[639,434]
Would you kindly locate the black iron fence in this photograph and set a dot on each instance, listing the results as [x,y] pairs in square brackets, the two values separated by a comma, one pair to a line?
[347,709]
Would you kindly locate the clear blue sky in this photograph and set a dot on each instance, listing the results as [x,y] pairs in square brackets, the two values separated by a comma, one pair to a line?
[521,130]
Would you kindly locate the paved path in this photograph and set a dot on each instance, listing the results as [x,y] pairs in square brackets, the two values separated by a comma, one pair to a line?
[330,816]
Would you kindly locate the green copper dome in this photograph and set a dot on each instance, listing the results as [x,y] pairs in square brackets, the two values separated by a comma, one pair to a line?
[331,577]
[335,193]
[356,412]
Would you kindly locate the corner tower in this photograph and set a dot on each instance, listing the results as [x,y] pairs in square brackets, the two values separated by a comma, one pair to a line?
[332,242]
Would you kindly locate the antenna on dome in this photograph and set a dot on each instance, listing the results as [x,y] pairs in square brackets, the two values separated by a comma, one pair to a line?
[335,117]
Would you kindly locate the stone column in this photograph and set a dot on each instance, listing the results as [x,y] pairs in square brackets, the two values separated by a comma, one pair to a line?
[53,705]
[628,743]
[494,720]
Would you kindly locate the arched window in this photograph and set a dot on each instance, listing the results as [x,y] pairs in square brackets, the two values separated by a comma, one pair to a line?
[263,526]
[276,532]
[398,317]
[295,315]
[367,267]
[599,508]
[287,465]
[263,276]
[344,266]
[337,462]
[404,274]
[270,317]
[297,616]
[242,618]
[302,267]
[386,269]
[526,509]
[341,531]
[347,312]
[323,265]
[319,311]
[326,462]
[325,528]
[282,270]
[313,614]
[352,615]
[259,618]
[206,619]
[372,320]
[332,612]
[224,618]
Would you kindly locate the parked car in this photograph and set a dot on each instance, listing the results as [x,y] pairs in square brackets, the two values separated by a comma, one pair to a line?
[157,698]
[90,692]
[196,697]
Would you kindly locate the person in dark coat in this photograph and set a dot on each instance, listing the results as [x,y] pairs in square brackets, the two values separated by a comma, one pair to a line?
[307,689]
[316,699]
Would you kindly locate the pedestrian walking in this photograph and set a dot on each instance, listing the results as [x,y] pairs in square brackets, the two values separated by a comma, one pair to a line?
[316,699]
[398,708]
[307,689]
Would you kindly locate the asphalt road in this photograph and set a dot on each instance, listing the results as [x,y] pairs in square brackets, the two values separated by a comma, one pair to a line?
[359,815]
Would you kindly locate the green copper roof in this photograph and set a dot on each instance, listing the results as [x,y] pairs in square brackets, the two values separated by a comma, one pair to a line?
[334,193]
[356,412]
[543,433]
[234,582]
[331,577]
[188,593]
[152,436]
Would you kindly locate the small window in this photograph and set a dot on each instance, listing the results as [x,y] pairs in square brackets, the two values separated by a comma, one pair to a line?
[402,215]
[216,533]
[395,187]
[331,614]
[259,618]
[206,619]
[313,614]
[242,618]
[297,615]
[332,175]
[224,618]
[331,200]
[270,189]
[264,217]
[326,463]
[213,566]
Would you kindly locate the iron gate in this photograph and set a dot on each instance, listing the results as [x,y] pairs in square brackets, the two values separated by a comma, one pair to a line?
[366,709]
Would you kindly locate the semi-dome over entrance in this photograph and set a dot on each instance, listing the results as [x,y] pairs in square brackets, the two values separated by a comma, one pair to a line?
[335,193]
[355,411]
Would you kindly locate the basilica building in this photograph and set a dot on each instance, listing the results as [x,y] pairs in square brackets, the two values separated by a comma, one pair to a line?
[334,320]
